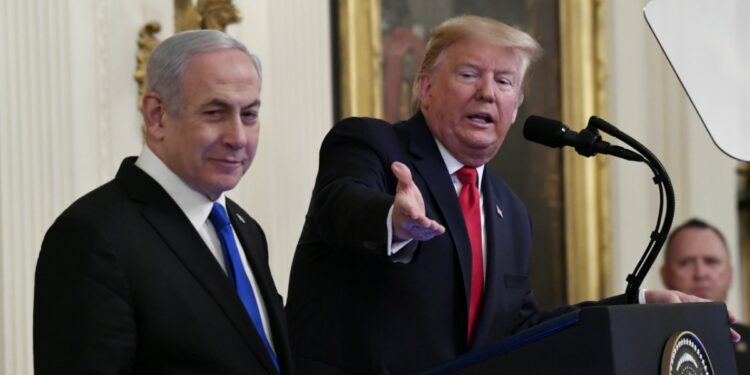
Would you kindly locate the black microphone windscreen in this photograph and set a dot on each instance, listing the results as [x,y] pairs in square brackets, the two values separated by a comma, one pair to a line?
[545,131]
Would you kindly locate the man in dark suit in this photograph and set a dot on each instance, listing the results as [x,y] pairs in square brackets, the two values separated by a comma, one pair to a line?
[157,272]
[412,251]
[696,261]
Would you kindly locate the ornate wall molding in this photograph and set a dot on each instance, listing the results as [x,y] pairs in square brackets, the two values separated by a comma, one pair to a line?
[205,14]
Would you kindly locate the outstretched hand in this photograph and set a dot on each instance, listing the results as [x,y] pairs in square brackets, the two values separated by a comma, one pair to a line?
[673,296]
[408,217]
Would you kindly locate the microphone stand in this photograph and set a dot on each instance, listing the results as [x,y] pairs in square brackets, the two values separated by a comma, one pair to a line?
[666,193]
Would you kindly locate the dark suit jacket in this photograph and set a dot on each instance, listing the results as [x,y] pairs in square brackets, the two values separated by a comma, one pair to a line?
[353,310]
[742,349]
[125,284]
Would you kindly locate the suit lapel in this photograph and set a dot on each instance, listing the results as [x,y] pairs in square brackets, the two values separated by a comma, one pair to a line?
[254,245]
[496,229]
[430,166]
[184,241]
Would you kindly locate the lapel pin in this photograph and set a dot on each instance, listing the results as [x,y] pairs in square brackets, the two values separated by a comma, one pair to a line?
[500,212]
[241,219]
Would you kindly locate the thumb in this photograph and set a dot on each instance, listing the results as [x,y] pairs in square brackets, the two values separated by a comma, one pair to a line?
[402,173]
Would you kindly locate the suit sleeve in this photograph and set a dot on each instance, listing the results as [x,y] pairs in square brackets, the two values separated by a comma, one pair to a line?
[83,317]
[355,188]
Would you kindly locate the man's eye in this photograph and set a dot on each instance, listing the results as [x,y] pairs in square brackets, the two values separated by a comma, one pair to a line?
[250,116]
[504,81]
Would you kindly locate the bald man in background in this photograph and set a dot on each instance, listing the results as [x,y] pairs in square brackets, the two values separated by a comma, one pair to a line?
[697,262]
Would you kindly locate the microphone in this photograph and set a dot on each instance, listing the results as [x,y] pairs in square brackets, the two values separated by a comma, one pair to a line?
[588,142]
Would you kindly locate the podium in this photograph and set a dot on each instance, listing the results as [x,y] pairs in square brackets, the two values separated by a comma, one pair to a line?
[624,339]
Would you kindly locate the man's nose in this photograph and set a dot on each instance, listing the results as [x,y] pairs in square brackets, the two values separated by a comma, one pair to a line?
[234,133]
[701,270]
[486,89]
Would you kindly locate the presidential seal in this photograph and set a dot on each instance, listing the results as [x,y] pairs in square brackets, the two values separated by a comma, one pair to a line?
[684,354]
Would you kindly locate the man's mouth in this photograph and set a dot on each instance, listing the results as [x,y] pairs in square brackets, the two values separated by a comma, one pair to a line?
[228,161]
[481,118]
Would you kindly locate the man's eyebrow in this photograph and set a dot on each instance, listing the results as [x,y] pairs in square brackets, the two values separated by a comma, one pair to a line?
[216,102]
[255,103]
[475,66]
[469,65]
[225,104]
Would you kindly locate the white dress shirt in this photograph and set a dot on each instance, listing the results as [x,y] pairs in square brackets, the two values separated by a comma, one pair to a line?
[453,165]
[196,208]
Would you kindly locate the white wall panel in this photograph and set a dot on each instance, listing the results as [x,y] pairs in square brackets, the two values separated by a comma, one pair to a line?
[35,150]
[647,102]
[292,38]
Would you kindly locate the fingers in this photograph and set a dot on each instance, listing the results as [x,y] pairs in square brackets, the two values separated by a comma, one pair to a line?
[734,336]
[427,228]
[661,296]
[731,316]
[673,296]
[420,228]
[423,231]
[684,297]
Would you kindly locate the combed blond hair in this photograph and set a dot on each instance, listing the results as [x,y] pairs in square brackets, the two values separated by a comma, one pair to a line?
[461,28]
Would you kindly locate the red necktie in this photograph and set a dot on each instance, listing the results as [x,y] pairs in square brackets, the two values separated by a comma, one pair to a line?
[468,198]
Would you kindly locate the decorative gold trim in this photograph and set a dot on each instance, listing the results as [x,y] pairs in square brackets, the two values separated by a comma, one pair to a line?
[206,14]
[361,72]
[146,42]
[587,212]
[186,16]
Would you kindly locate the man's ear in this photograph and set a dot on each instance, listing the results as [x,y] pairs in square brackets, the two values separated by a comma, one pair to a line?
[518,105]
[153,110]
[730,275]
[665,277]
[424,84]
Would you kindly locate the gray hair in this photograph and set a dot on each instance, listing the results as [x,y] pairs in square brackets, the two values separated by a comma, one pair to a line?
[169,60]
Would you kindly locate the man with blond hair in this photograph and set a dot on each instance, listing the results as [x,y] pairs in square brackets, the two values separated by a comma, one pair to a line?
[413,252]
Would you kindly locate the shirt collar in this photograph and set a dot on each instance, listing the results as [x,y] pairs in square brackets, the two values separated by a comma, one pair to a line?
[454,165]
[195,205]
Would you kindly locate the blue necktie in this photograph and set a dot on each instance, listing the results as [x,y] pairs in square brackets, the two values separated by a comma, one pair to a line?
[237,274]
